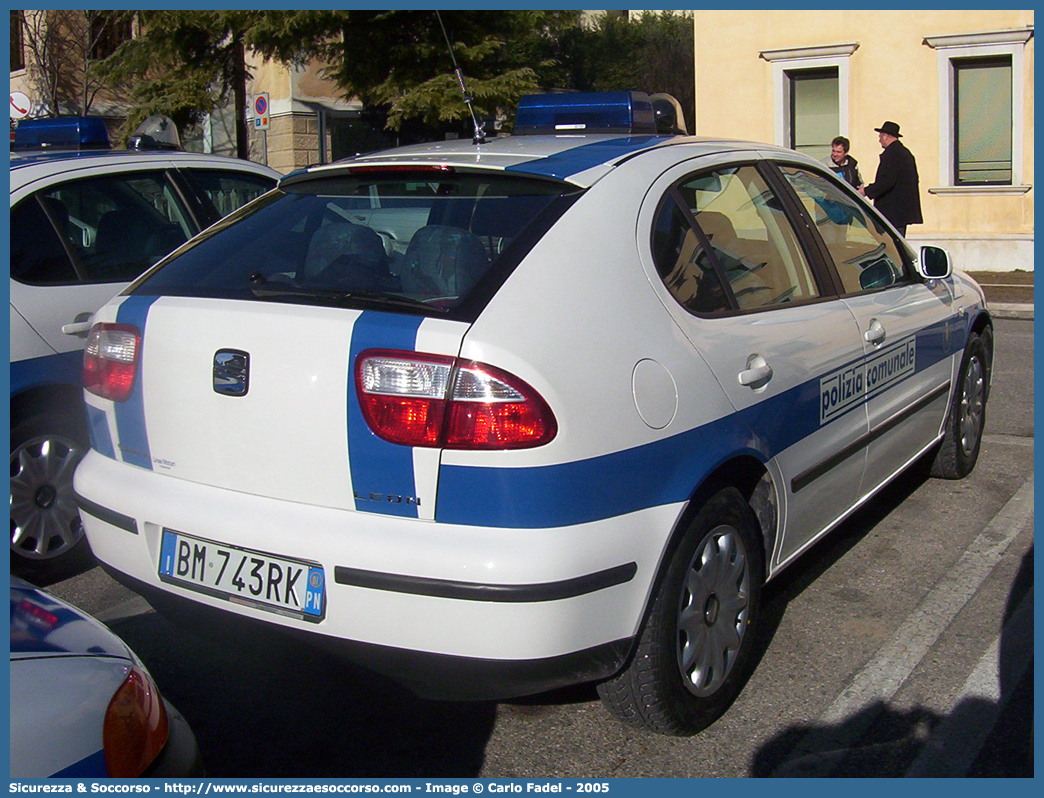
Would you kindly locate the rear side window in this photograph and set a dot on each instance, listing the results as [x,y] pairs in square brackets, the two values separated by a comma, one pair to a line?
[865,254]
[226,191]
[722,241]
[430,242]
[683,263]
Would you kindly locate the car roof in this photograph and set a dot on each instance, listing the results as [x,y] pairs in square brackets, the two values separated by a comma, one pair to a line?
[578,159]
[29,166]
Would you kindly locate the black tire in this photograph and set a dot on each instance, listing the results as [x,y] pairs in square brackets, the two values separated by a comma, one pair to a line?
[47,540]
[711,592]
[966,418]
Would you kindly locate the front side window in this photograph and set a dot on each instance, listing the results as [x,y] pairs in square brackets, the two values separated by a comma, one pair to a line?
[982,121]
[37,255]
[424,242]
[119,225]
[865,254]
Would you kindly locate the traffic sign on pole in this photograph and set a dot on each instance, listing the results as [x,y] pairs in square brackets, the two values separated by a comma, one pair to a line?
[261,111]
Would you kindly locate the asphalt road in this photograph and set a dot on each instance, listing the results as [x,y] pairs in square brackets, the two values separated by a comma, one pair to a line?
[900,645]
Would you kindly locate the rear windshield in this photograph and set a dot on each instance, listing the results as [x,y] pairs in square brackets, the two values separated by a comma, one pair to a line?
[434,243]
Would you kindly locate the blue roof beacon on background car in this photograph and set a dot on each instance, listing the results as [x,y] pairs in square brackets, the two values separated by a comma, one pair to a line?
[82,704]
[85,220]
[493,419]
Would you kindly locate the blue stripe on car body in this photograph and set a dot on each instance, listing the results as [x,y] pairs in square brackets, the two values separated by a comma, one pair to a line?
[379,469]
[90,767]
[587,156]
[663,472]
[130,415]
[98,428]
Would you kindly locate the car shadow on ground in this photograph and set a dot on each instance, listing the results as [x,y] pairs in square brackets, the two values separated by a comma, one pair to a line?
[264,705]
[979,737]
[825,553]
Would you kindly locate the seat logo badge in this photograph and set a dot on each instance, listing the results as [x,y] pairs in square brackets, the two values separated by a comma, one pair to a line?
[231,372]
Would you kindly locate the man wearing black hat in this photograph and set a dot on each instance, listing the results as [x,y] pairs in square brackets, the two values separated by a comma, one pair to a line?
[895,190]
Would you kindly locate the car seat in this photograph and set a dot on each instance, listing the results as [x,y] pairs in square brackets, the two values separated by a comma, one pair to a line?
[347,256]
[443,261]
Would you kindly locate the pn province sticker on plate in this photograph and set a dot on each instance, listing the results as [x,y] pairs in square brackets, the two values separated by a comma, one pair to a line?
[288,587]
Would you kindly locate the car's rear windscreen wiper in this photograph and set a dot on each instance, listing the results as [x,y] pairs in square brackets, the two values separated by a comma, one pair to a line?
[263,289]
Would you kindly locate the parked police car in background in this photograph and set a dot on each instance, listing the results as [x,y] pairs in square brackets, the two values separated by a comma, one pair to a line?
[82,704]
[83,224]
[495,419]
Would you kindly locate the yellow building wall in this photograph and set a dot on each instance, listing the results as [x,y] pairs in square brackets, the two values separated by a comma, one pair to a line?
[893,75]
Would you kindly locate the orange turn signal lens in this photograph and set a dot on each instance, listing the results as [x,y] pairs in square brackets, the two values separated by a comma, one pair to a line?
[136,727]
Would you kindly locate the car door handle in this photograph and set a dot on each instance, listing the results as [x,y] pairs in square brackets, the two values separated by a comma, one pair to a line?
[81,326]
[757,374]
[875,334]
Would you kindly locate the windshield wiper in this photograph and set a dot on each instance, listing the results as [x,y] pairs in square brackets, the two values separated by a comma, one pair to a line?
[263,289]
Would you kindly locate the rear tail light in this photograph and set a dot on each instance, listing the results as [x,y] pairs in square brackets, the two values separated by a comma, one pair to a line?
[427,400]
[110,360]
[136,726]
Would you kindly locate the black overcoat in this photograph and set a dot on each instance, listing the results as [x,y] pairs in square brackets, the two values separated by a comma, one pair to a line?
[895,189]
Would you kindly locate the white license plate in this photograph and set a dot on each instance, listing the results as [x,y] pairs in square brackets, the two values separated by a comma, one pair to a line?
[277,584]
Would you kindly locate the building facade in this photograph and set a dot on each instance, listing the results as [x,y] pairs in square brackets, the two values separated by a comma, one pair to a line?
[310,122]
[958,83]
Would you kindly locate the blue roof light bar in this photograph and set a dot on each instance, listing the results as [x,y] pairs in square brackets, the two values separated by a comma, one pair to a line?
[61,133]
[586,112]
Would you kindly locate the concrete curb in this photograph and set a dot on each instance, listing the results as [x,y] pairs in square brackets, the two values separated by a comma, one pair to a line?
[1011,310]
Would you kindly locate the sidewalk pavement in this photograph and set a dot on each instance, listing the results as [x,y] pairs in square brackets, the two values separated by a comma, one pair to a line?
[1009,295]
[1011,310]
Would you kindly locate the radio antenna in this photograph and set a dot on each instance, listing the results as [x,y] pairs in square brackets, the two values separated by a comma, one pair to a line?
[480,136]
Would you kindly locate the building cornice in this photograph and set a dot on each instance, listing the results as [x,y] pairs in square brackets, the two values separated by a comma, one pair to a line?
[982,191]
[819,51]
[985,38]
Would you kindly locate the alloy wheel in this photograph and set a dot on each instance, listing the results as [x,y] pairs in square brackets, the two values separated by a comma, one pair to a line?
[45,522]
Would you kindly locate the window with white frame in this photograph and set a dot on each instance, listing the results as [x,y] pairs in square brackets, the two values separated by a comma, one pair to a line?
[982,121]
[811,95]
[814,116]
[981,124]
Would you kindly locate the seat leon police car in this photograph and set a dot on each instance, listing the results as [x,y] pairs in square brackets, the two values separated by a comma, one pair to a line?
[495,418]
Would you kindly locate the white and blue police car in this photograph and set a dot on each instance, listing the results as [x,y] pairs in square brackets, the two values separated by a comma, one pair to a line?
[85,221]
[496,418]
[82,704]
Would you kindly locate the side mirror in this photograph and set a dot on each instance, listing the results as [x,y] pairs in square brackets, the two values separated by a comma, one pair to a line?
[934,263]
[876,275]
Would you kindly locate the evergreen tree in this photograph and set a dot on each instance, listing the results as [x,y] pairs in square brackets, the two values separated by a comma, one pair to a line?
[398,62]
[651,52]
[185,64]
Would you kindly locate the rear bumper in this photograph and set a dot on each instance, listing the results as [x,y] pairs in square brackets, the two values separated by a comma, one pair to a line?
[180,757]
[451,611]
[435,676]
